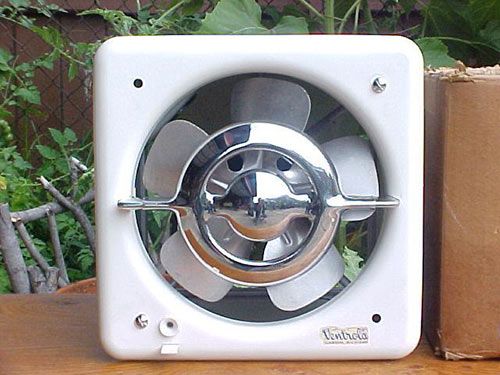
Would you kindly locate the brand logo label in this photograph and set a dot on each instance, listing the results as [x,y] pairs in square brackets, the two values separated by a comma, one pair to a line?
[348,335]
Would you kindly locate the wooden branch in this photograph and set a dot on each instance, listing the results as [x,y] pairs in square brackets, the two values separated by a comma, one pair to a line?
[75,168]
[56,246]
[32,249]
[78,164]
[43,283]
[75,209]
[12,255]
[39,212]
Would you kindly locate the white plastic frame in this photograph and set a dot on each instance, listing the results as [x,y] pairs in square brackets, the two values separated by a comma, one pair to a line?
[342,66]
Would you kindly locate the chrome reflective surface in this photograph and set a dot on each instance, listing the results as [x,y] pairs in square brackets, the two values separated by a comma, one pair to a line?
[261,178]
[259,206]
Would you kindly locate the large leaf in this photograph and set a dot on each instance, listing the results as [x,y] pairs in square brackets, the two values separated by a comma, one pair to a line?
[491,34]
[244,17]
[480,12]
[435,52]
[463,23]
[290,25]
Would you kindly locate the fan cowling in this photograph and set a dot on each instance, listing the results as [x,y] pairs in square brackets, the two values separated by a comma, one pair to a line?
[276,102]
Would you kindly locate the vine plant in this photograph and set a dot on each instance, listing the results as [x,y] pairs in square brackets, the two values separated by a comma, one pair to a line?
[445,30]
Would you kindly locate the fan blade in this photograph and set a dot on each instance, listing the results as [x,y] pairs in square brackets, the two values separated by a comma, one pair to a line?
[270,100]
[308,287]
[170,151]
[187,270]
[356,171]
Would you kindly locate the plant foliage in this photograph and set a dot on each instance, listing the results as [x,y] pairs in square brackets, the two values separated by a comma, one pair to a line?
[468,30]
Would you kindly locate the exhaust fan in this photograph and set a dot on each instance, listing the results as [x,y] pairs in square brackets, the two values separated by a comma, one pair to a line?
[235,174]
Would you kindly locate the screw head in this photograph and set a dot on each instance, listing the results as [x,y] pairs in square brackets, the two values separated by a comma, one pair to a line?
[379,84]
[141,321]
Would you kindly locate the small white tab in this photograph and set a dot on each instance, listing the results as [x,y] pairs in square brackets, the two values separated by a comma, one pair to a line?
[169,349]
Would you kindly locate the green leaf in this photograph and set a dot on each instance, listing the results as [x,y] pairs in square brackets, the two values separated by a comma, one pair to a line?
[352,262]
[4,280]
[85,259]
[50,35]
[3,183]
[46,63]
[244,17]
[4,113]
[480,12]
[435,52]
[61,165]
[463,22]
[47,152]
[491,35]
[121,23]
[29,94]
[20,3]
[72,70]
[290,25]
[233,17]
[192,7]
[5,56]
[58,137]
[20,164]
[70,135]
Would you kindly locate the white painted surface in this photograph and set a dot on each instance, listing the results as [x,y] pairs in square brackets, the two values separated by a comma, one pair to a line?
[343,66]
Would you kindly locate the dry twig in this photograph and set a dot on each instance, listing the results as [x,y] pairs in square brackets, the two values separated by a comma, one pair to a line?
[56,246]
[32,249]
[75,209]
[12,255]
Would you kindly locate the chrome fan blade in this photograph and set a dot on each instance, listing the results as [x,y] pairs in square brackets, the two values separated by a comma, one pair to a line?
[308,287]
[356,171]
[270,100]
[189,272]
[170,151]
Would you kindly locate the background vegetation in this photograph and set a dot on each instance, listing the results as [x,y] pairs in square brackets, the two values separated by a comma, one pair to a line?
[446,30]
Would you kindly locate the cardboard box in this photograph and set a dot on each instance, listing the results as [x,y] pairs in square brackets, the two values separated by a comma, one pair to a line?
[462,213]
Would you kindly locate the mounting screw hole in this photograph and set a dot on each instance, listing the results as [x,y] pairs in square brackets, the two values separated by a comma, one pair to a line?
[235,164]
[283,164]
[138,83]
[376,318]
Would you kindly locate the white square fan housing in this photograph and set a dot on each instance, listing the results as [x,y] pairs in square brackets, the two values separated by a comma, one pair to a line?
[225,143]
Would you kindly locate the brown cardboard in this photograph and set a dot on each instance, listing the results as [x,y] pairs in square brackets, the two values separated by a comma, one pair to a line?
[462,212]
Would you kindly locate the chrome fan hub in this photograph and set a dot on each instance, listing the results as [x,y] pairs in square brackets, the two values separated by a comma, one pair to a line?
[258,178]
[258,205]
